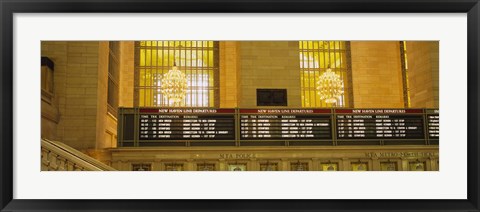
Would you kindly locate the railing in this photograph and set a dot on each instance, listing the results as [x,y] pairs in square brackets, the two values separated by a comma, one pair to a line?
[57,156]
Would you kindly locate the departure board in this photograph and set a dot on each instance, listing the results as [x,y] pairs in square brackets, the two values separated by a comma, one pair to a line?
[285,124]
[186,124]
[276,127]
[379,124]
[433,123]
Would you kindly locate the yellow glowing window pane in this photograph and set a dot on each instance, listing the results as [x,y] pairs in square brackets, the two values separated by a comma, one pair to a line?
[191,56]
[189,74]
[206,56]
[332,60]
[165,57]
[154,58]
[322,60]
[159,57]
[338,60]
[148,97]
[313,95]
[141,94]
[171,58]
[332,44]
[313,62]
[310,45]
[142,77]
[210,77]
[307,98]
[148,77]
[142,57]
[211,102]
[210,58]
[317,57]
[317,101]
[326,58]
[148,56]
[312,80]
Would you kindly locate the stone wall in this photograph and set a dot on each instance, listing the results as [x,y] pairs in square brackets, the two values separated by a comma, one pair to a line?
[80,87]
[127,61]
[269,64]
[377,74]
[229,69]
[423,72]
[75,88]
[106,123]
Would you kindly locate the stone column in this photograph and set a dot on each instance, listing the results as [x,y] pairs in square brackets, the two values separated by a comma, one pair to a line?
[189,165]
[284,165]
[375,164]
[221,165]
[346,166]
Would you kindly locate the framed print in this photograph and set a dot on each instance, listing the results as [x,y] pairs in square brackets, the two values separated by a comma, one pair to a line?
[266,105]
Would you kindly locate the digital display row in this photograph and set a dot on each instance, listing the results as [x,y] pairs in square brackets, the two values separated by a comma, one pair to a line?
[283,124]
[166,124]
[380,124]
[433,122]
[287,127]
[186,127]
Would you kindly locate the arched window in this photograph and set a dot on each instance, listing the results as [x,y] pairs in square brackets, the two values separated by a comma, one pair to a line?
[198,60]
[315,58]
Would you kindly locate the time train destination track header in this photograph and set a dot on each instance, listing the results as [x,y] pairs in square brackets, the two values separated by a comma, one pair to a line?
[235,127]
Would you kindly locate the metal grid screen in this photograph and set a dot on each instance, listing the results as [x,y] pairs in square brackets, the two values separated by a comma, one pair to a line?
[197,59]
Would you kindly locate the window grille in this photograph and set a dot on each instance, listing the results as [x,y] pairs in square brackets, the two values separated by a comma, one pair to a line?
[197,59]
[315,58]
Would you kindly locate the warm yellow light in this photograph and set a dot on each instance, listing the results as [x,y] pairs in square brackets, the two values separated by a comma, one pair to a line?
[329,86]
[174,85]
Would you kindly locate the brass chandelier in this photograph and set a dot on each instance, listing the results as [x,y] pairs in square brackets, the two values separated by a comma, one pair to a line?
[329,86]
[174,85]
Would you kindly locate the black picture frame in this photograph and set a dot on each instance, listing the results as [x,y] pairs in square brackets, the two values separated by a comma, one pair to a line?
[10,7]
